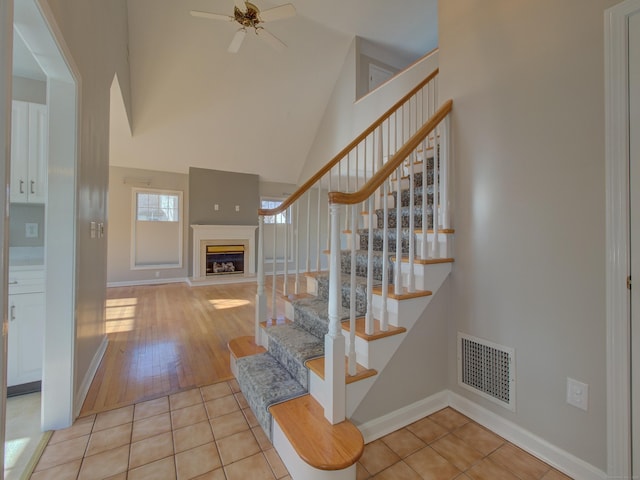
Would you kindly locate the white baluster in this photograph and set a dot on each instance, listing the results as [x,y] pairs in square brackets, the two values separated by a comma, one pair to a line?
[384,313]
[261,301]
[297,248]
[285,282]
[318,227]
[329,217]
[397,268]
[444,189]
[411,281]
[308,194]
[352,296]
[424,246]
[369,325]
[273,269]
[334,345]
[435,245]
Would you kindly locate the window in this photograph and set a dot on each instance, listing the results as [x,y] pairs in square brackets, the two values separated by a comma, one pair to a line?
[157,207]
[156,230]
[269,203]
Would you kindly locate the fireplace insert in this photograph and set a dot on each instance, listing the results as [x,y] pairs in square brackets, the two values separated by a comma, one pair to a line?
[224,259]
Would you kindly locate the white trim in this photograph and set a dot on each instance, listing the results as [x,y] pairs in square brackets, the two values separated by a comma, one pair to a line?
[617,239]
[149,281]
[381,426]
[538,447]
[88,378]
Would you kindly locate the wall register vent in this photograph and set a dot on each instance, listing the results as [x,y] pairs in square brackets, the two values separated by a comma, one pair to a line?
[487,369]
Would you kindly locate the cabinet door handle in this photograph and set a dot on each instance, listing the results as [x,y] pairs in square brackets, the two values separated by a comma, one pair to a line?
[13,282]
[21,186]
[32,185]
[13,312]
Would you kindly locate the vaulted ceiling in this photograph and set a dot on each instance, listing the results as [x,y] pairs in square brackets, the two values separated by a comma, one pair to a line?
[257,111]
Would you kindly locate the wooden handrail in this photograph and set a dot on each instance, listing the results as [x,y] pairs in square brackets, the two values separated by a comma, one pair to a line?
[321,173]
[388,168]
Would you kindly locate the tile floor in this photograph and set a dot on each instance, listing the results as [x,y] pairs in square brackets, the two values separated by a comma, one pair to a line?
[210,434]
[22,433]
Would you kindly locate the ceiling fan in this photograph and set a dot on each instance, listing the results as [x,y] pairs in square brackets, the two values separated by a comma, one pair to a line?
[250,16]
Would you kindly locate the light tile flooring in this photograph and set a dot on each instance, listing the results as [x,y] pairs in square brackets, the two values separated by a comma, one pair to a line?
[209,433]
[22,433]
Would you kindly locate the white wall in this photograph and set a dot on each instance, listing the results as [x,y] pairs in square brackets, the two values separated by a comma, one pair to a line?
[344,118]
[528,142]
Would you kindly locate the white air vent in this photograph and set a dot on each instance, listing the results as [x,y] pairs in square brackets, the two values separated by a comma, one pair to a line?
[487,369]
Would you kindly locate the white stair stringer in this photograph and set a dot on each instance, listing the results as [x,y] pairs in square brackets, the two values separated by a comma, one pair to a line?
[376,354]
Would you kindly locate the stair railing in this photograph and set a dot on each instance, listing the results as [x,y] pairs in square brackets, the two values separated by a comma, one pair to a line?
[432,137]
[307,225]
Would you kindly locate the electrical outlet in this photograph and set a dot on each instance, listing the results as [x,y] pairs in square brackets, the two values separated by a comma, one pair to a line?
[237,208]
[92,229]
[31,230]
[577,394]
[216,207]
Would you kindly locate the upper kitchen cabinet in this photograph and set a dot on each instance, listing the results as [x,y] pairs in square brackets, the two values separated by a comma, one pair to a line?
[29,134]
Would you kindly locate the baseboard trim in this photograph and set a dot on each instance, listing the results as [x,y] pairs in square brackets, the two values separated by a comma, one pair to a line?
[540,448]
[88,378]
[150,281]
[381,426]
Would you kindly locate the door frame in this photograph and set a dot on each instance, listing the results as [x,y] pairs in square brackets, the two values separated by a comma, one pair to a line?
[618,321]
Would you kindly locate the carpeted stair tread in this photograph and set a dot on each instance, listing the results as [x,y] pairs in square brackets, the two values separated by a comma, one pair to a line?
[312,315]
[264,382]
[362,262]
[404,215]
[345,290]
[291,346]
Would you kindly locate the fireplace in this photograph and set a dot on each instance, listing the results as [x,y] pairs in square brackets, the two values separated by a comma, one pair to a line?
[224,259]
[235,242]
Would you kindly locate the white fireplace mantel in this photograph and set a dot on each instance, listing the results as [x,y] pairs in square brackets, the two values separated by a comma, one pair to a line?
[246,233]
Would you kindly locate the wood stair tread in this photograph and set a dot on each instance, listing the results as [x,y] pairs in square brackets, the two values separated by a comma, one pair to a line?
[315,274]
[272,322]
[377,332]
[244,347]
[316,365]
[424,261]
[295,296]
[317,442]
[404,295]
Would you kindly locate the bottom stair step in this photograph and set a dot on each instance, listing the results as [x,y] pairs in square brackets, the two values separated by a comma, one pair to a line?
[264,383]
[321,445]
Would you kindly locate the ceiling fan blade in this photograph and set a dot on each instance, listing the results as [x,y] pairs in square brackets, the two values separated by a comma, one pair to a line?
[240,5]
[277,13]
[238,38]
[211,16]
[271,39]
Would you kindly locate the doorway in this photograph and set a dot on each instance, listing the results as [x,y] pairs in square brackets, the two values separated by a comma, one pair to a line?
[623,238]
[634,166]
[35,23]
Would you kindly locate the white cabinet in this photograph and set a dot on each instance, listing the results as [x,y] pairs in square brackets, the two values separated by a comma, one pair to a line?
[29,147]
[26,327]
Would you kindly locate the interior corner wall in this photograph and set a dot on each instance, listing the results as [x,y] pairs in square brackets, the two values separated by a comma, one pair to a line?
[418,368]
[120,222]
[208,188]
[345,118]
[96,34]
[527,83]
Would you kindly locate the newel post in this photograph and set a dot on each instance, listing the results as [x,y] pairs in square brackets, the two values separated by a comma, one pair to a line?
[261,300]
[334,344]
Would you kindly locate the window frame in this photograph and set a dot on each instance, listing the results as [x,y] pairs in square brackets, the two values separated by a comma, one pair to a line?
[280,215]
[134,230]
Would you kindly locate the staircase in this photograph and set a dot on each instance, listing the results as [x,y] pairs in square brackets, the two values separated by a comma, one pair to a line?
[305,372]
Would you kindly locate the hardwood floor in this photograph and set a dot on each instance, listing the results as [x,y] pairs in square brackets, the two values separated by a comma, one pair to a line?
[168,338]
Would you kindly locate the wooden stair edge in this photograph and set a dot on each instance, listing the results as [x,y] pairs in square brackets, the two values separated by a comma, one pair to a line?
[377,332]
[404,295]
[424,261]
[315,440]
[272,322]
[244,347]
[316,365]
